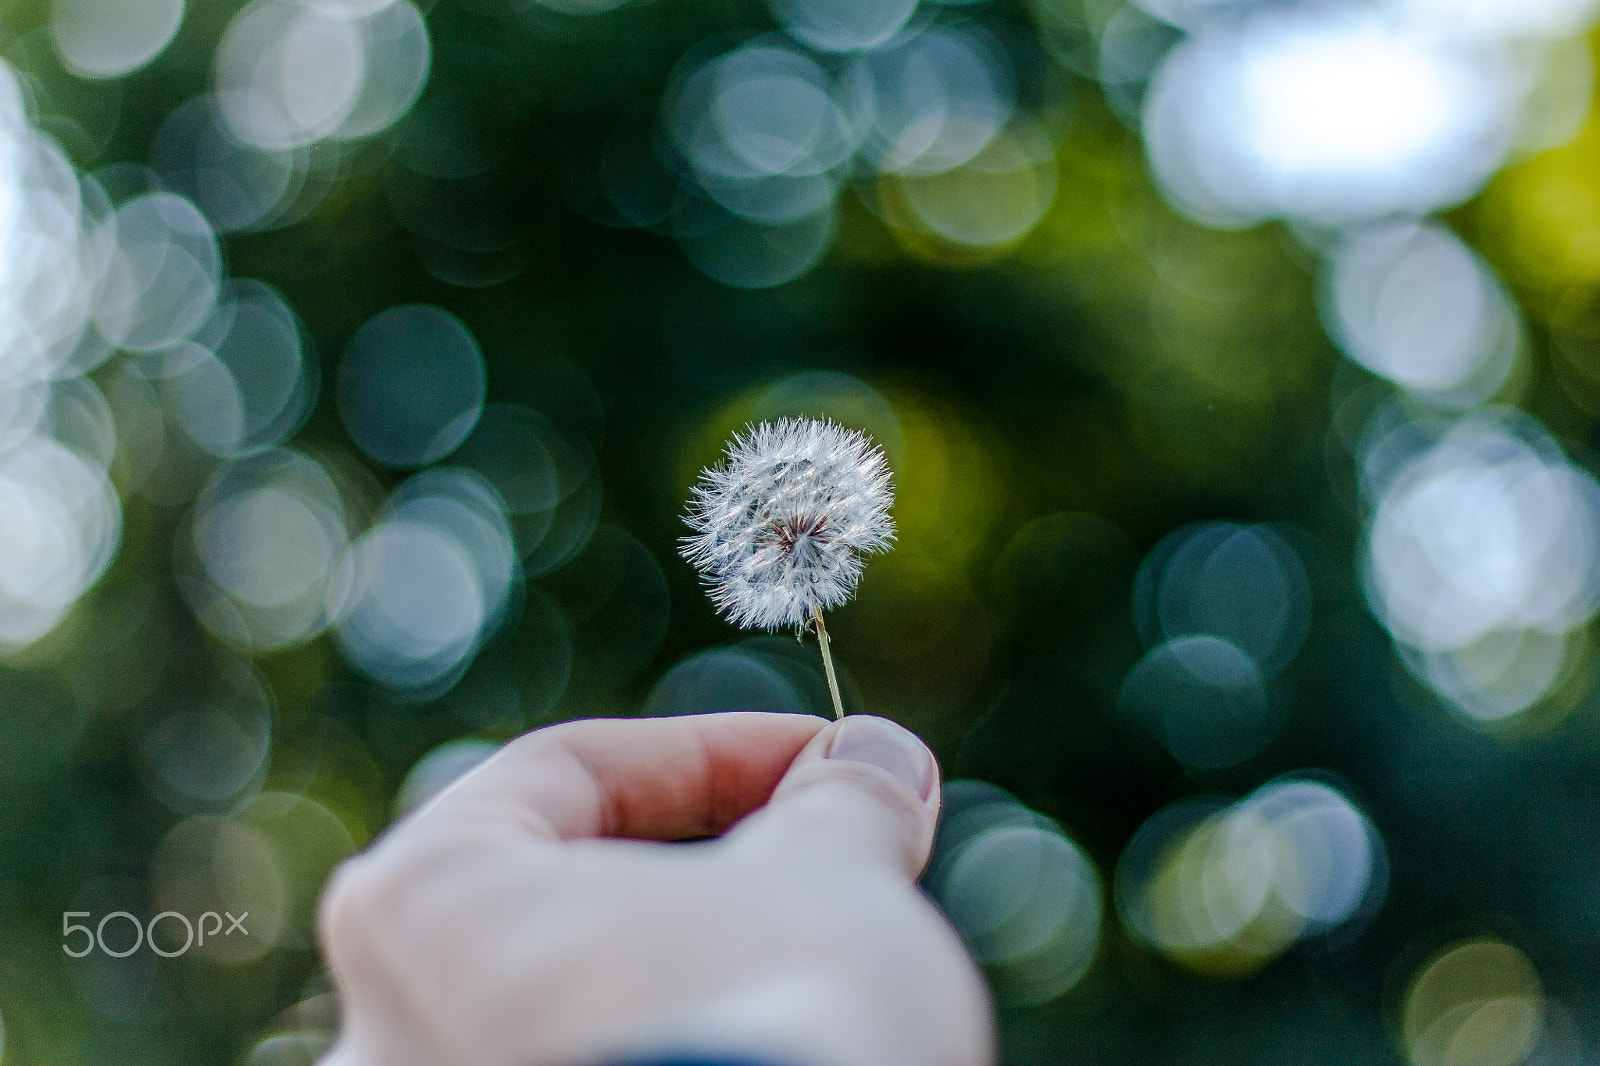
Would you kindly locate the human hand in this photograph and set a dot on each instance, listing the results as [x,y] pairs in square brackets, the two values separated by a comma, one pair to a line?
[527,916]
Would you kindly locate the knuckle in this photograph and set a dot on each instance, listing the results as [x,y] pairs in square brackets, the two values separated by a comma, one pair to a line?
[364,899]
[383,889]
[346,914]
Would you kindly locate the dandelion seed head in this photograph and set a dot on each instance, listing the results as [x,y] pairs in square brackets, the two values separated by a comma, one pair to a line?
[782,523]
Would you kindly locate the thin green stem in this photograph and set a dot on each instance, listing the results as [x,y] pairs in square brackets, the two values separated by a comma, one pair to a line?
[827,661]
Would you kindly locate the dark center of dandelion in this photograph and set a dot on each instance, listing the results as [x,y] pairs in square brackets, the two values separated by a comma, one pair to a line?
[791,534]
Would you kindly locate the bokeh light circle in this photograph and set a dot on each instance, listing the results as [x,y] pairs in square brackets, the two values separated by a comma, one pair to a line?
[244,384]
[212,864]
[398,54]
[60,523]
[1482,552]
[747,255]
[931,100]
[992,199]
[163,280]
[1025,898]
[438,769]
[725,680]
[205,756]
[411,385]
[288,74]
[415,595]
[1328,114]
[1333,862]
[1225,888]
[1243,584]
[239,186]
[762,111]
[110,38]
[266,534]
[1411,303]
[1203,698]
[419,608]
[1477,1002]
[843,25]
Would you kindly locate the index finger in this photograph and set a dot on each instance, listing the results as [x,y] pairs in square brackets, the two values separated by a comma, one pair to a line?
[641,778]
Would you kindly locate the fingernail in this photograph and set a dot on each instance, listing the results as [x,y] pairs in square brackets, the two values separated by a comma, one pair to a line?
[879,742]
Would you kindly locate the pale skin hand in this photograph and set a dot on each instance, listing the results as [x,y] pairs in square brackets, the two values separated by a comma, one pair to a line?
[527,918]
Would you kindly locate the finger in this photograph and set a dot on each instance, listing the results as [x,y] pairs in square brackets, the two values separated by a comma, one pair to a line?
[864,790]
[644,778]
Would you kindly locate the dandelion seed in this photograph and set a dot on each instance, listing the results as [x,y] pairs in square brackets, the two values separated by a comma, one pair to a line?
[780,527]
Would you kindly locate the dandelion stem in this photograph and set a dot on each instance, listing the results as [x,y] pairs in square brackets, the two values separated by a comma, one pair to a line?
[827,661]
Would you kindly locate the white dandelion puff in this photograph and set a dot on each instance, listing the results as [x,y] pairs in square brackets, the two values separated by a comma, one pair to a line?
[780,527]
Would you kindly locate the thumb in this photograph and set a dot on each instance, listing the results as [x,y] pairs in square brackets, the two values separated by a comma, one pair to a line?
[864,790]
